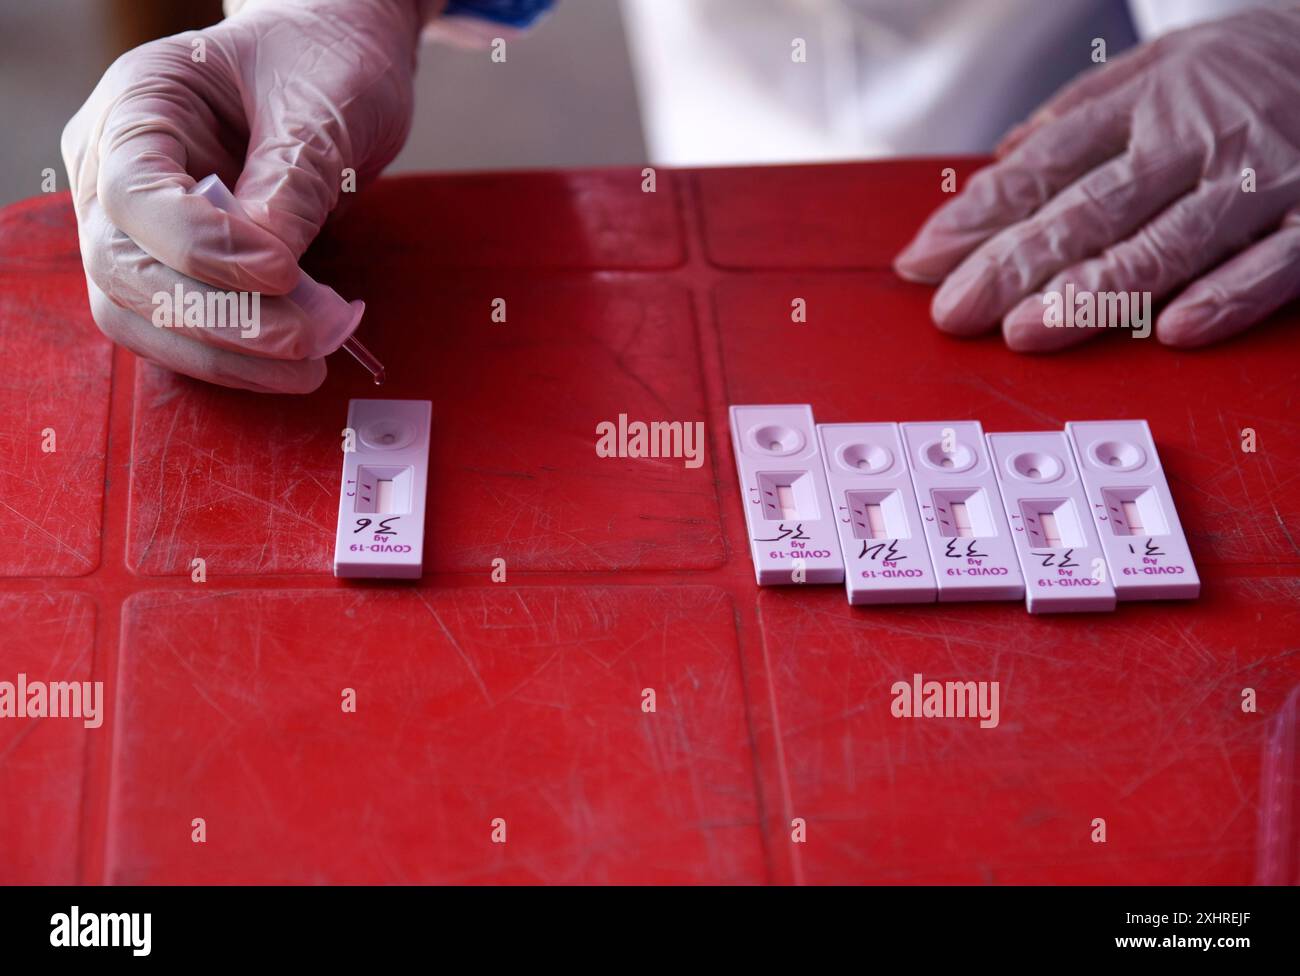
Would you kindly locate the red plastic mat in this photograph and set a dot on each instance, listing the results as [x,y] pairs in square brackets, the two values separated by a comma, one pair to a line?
[520,705]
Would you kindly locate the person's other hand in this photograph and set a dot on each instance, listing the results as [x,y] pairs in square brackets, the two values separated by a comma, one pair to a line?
[1133,179]
[283,98]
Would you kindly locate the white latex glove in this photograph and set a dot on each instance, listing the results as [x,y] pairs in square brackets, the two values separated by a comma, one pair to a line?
[289,94]
[1131,180]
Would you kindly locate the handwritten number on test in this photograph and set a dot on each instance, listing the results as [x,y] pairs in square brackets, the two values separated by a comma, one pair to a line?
[384,527]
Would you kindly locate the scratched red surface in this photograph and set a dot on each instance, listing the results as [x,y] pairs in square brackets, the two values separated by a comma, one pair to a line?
[522,701]
[47,636]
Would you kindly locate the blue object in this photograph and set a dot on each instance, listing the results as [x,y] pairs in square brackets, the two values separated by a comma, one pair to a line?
[513,13]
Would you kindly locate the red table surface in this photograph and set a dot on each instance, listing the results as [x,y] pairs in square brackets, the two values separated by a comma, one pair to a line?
[521,701]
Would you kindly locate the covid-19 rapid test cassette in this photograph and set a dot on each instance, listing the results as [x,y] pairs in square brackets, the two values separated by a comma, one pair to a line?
[961,512]
[1070,520]
[1133,510]
[885,557]
[1057,545]
[792,533]
[381,501]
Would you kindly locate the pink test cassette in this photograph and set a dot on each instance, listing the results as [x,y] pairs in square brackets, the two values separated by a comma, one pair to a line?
[1057,544]
[961,512]
[792,535]
[885,555]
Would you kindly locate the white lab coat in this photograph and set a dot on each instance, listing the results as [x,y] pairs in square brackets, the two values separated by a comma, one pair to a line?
[718,82]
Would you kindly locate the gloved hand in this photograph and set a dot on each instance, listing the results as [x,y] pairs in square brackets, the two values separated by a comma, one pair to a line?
[1130,180]
[282,97]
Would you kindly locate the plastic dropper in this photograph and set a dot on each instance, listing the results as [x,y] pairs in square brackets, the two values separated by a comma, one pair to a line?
[365,357]
[319,303]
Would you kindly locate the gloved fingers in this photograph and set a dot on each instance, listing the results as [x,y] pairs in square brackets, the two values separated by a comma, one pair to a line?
[344,120]
[1168,251]
[1103,207]
[173,349]
[1094,83]
[245,321]
[1011,189]
[1242,291]
[299,151]
[292,177]
[154,131]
